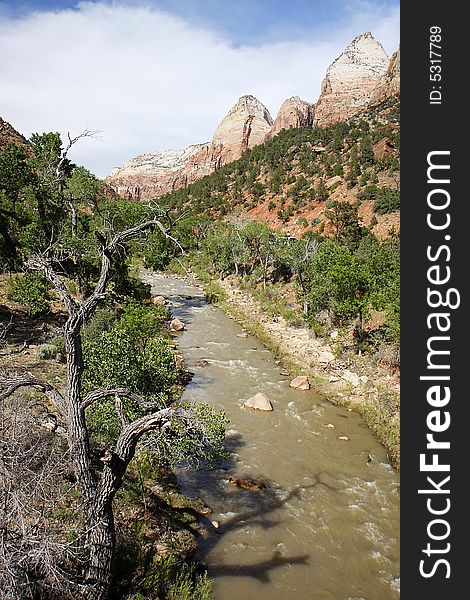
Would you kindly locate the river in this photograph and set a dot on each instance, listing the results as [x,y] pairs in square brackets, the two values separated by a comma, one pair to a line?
[327,526]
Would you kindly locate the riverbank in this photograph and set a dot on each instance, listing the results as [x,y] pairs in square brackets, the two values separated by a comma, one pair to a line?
[358,383]
[327,519]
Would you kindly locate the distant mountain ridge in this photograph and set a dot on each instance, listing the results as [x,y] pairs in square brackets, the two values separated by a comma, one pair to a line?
[362,75]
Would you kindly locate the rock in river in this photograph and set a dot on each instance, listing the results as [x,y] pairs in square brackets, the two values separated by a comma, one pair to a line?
[177,325]
[300,383]
[248,484]
[259,402]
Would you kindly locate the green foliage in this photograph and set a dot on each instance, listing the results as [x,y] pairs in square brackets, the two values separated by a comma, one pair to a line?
[128,355]
[31,290]
[103,320]
[59,344]
[141,322]
[386,200]
[336,282]
[47,352]
[166,577]
[343,216]
[197,437]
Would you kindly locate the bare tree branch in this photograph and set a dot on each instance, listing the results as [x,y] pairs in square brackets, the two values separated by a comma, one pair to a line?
[71,141]
[10,383]
[96,395]
[130,435]
[39,263]
[107,250]
[120,411]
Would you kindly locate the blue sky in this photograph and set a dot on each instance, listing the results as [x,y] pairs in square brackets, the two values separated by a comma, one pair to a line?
[242,21]
[160,74]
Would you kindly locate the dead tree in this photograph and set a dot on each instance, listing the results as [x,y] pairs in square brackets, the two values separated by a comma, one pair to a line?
[97,489]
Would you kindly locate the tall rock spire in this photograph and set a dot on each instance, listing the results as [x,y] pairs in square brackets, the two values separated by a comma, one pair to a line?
[350,80]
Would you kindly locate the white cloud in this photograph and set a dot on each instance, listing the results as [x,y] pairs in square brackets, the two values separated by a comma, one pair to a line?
[148,80]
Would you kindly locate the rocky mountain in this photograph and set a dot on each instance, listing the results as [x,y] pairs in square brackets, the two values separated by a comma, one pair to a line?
[389,83]
[8,134]
[148,176]
[351,80]
[245,125]
[361,76]
[294,112]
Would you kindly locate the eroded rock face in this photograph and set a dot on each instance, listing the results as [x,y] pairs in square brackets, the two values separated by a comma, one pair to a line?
[152,175]
[245,125]
[294,112]
[351,80]
[389,84]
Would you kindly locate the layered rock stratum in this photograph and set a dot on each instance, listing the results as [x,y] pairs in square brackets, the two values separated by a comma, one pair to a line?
[294,112]
[389,84]
[148,176]
[245,125]
[351,80]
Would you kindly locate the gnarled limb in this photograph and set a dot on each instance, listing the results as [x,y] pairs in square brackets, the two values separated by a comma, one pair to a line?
[101,531]
[10,383]
[40,263]
[96,395]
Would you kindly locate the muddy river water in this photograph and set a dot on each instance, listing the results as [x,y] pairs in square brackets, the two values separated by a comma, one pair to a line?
[327,526]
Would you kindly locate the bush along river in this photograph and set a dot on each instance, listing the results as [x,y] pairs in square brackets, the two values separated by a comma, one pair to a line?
[325,524]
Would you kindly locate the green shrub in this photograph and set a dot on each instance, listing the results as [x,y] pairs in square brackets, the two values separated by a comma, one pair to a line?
[31,290]
[113,359]
[141,322]
[102,321]
[59,345]
[47,352]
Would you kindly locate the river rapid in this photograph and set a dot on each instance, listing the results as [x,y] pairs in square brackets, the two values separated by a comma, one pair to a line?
[327,526]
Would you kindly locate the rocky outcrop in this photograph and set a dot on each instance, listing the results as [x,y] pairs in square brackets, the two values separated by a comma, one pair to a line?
[294,112]
[351,80]
[355,79]
[389,84]
[9,135]
[152,175]
[245,125]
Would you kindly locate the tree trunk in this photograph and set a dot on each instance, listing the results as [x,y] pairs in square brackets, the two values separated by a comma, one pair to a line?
[101,541]
[78,431]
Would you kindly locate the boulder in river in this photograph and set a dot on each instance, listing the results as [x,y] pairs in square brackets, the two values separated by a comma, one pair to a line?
[159,300]
[259,402]
[242,335]
[247,484]
[300,383]
[177,325]
[201,363]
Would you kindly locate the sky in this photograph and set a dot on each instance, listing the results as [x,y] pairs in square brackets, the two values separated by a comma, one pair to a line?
[153,75]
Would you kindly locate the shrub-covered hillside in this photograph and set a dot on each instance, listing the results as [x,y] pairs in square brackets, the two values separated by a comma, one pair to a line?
[289,181]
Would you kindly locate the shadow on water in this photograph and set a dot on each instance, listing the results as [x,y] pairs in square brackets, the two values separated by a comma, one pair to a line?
[186,305]
[245,508]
